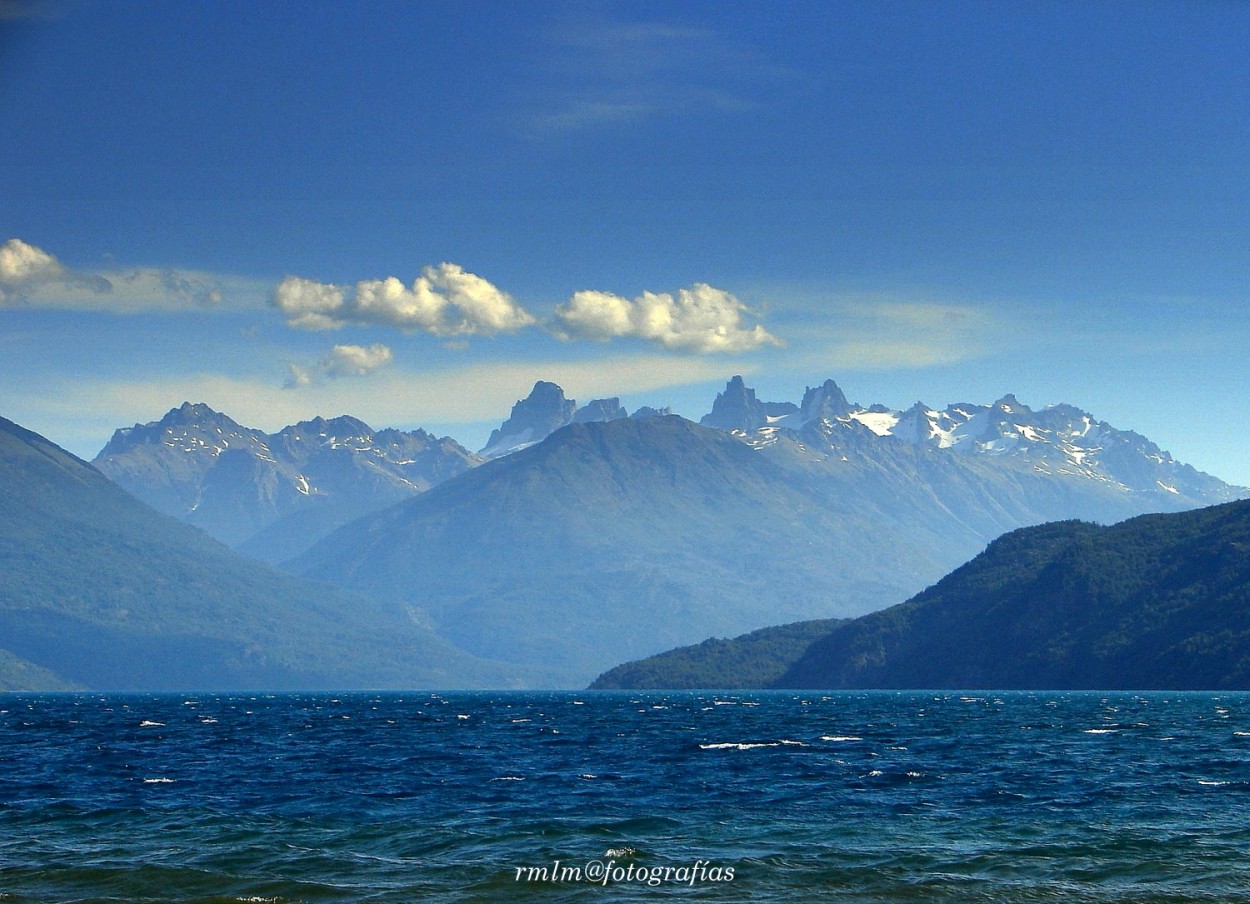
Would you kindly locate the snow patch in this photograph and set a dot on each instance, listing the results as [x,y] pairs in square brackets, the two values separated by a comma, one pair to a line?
[881,423]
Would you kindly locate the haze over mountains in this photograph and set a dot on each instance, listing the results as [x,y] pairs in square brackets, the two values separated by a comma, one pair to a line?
[100,591]
[1157,601]
[581,537]
[273,495]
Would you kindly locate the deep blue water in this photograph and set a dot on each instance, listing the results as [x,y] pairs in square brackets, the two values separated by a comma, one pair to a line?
[805,797]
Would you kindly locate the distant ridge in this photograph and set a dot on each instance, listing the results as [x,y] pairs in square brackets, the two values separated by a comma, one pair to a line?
[272,495]
[1061,441]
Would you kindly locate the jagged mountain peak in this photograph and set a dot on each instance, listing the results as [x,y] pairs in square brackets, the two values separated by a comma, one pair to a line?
[190,411]
[343,425]
[825,401]
[1009,404]
[736,408]
[599,410]
[533,419]
[193,415]
[545,398]
[203,430]
[1060,440]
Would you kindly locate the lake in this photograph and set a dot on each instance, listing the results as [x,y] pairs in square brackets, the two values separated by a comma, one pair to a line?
[561,796]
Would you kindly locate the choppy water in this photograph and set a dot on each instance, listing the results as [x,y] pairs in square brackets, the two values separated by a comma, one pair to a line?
[805,797]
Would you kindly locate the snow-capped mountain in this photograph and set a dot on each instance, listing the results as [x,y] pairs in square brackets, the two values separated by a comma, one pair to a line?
[1061,441]
[989,467]
[271,495]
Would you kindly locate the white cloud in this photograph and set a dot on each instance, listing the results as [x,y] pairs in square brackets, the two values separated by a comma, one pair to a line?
[445,300]
[342,361]
[23,264]
[307,304]
[356,360]
[701,319]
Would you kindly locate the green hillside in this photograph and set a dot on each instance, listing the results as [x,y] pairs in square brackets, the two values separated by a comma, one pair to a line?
[753,660]
[1158,601]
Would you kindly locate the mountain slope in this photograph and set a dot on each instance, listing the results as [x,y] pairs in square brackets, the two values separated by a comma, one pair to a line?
[627,537]
[1159,601]
[274,495]
[754,660]
[103,592]
[620,539]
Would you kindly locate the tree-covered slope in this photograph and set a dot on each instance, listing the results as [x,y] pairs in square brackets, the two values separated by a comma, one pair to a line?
[1158,601]
[103,592]
[753,660]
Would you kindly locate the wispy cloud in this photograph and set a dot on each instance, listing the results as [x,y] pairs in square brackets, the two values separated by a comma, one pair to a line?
[600,72]
[87,411]
[876,334]
[699,319]
[32,277]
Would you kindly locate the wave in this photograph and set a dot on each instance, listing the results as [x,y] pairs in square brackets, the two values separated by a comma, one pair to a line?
[750,745]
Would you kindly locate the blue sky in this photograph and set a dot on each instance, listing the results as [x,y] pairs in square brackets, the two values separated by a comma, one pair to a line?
[410,212]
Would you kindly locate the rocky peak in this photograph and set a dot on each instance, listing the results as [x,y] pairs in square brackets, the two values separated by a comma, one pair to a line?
[599,410]
[647,411]
[187,420]
[533,419]
[341,426]
[736,408]
[824,402]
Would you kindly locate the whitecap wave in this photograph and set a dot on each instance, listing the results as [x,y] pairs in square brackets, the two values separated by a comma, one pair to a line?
[750,745]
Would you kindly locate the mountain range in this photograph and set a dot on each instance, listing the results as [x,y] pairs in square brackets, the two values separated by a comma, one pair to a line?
[581,537]
[626,535]
[1155,602]
[272,495]
[100,591]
